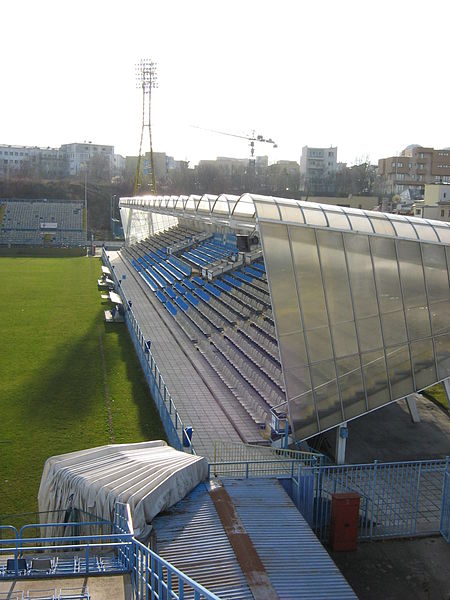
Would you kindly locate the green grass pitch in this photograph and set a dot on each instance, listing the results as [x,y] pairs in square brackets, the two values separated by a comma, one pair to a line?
[52,381]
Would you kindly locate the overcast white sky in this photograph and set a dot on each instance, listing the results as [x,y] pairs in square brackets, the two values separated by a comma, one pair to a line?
[369,77]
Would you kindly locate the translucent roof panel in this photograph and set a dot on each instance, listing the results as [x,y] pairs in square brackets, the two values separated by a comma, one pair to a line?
[337,218]
[314,216]
[250,207]
[244,207]
[290,211]
[206,203]
[267,210]
[443,233]
[402,227]
[360,222]
[191,203]
[224,204]
[424,231]
[382,225]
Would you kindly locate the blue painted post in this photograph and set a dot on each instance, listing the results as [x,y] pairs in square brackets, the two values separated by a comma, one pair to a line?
[286,433]
[374,485]
[87,558]
[306,493]
[160,579]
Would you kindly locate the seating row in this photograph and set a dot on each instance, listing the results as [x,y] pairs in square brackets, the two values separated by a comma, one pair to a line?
[229,318]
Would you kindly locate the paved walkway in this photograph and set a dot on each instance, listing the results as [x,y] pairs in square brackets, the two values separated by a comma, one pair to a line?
[200,396]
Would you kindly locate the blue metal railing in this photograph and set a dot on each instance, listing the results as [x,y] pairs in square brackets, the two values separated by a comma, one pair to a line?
[84,549]
[444,525]
[76,525]
[154,577]
[151,575]
[397,498]
[254,468]
[170,417]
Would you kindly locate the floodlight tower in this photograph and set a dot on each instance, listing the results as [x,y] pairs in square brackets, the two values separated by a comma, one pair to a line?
[146,79]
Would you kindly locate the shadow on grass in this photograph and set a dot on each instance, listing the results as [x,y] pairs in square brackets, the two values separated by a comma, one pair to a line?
[149,419]
[69,386]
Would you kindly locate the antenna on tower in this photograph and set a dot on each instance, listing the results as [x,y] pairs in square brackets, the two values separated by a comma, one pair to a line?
[146,79]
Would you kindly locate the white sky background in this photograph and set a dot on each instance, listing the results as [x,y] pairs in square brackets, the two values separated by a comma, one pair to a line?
[369,77]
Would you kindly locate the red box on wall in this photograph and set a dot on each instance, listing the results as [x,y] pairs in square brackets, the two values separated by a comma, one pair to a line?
[344,521]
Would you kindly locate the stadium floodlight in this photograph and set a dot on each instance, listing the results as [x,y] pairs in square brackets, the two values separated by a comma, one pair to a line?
[146,79]
[146,74]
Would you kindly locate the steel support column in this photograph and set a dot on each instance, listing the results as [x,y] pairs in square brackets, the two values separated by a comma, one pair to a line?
[412,407]
[341,443]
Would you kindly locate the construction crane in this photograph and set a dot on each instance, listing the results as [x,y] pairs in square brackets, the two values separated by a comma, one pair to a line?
[250,138]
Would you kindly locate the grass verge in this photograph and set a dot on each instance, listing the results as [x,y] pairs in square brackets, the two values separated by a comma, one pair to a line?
[438,394]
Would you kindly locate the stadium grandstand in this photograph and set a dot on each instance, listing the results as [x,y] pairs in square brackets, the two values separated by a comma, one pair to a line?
[259,323]
[302,316]
[42,223]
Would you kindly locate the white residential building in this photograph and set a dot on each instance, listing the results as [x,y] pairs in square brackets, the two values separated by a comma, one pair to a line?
[68,160]
[316,164]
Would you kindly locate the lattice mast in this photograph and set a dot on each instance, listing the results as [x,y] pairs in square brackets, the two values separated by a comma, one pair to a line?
[146,80]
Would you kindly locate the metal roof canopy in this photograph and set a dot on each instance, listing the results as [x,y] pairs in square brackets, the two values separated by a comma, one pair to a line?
[360,299]
[249,209]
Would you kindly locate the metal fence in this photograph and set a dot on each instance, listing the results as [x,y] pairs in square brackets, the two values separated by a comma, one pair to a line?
[445,509]
[254,468]
[115,553]
[171,420]
[397,499]
[153,577]
[236,451]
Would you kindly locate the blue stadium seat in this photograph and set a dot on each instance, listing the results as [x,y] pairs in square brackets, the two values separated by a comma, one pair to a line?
[182,304]
[212,290]
[171,308]
[201,294]
[192,299]
[180,289]
[198,280]
[161,296]
[243,277]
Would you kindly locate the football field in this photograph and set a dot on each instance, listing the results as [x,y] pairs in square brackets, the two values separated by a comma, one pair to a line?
[67,380]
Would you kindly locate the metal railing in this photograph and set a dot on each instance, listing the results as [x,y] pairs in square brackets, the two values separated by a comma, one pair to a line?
[254,468]
[444,525]
[81,550]
[236,451]
[398,499]
[170,417]
[153,577]
[91,528]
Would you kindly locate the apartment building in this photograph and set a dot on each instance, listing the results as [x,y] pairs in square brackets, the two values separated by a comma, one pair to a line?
[67,160]
[415,167]
[436,203]
[316,165]
[31,160]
